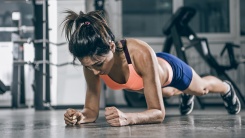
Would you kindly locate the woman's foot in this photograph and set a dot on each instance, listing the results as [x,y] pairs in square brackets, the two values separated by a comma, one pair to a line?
[186,104]
[231,102]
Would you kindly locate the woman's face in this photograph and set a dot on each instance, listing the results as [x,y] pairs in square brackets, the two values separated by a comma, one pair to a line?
[100,65]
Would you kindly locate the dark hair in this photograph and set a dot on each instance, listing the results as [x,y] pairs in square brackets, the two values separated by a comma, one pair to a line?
[88,34]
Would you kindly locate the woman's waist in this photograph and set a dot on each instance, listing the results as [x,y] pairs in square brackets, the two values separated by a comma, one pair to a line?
[166,72]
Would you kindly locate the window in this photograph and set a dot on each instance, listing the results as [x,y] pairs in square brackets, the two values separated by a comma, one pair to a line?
[212,16]
[145,18]
[6,9]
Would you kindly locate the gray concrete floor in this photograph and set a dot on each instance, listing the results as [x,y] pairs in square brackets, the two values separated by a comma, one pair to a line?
[208,123]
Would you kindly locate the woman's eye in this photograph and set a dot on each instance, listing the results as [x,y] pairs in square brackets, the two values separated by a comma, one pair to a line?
[89,68]
[100,64]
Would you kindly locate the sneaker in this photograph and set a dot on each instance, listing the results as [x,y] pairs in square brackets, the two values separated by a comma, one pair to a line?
[186,104]
[231,102]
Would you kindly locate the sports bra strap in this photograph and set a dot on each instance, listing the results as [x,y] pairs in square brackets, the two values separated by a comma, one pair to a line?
[125,49]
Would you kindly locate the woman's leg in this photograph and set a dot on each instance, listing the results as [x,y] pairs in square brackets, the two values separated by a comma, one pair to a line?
[201,86]
[186,100]
[187,80]
[170,91]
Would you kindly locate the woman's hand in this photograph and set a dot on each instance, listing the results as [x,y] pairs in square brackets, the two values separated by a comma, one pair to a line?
[73,117]
[115,117]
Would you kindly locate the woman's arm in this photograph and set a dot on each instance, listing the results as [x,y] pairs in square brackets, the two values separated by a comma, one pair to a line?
[145,61]
[91,107]
[146,64]
[115,117]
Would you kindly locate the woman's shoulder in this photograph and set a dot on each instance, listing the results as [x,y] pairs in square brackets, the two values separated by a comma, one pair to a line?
[135,42]
[140,52]
[138,47]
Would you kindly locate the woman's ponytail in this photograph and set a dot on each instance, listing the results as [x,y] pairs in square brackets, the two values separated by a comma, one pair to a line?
[69,22]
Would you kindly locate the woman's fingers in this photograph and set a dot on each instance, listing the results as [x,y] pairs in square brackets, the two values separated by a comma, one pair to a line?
[78,116]
[70,121]
[115,120]
[72,116]
[71,112]
[110,110]
[66,115]
[111,116]
[115,117]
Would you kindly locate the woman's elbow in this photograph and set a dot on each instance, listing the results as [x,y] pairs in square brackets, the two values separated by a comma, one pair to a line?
[160,116]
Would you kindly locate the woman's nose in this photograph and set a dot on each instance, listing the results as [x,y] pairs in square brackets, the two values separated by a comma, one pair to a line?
[96,72]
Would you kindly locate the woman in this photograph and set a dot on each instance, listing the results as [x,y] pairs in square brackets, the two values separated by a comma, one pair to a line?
[132,64]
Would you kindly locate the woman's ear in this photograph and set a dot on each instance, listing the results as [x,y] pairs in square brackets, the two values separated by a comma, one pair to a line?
[112,46]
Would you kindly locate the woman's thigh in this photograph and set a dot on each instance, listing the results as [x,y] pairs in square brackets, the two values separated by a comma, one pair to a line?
[170,91]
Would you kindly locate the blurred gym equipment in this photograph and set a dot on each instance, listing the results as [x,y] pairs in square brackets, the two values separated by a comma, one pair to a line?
[41,63]
[41,84]
[3,88]
[178,27]
[18,83]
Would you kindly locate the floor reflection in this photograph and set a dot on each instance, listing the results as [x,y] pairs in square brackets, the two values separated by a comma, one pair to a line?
[29,123]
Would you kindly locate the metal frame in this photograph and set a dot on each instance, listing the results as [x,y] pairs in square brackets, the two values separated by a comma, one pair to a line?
[41,84]
[18,77]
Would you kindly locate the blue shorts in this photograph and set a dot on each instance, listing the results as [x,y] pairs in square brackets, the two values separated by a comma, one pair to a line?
[182,73]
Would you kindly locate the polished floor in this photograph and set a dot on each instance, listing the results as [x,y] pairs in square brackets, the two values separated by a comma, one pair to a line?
[208,123]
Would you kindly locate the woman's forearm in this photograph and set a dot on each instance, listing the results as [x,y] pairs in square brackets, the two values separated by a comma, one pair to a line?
[146,117]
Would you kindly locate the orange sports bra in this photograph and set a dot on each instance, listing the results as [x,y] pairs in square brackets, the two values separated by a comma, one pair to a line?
[135,81]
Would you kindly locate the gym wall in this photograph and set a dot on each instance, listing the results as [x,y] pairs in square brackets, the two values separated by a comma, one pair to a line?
[67,82]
